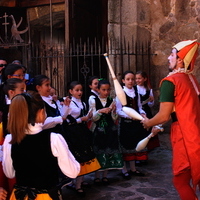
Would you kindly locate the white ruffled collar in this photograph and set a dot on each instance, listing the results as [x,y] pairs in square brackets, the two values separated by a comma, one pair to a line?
[76,100]
[179,70]
[94,92]
[34,129]
[129,92]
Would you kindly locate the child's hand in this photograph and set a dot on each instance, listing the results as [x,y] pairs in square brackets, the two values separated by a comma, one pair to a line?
[113,108]
[105,110]
[55,97]
[84,118]
[67,101]
[151,99]
[90,115]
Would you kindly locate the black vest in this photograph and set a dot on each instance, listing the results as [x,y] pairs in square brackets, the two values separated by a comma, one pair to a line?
[133,102]
[105,117]
[34,162]
[52,112]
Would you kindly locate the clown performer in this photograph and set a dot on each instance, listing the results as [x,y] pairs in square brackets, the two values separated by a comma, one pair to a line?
[179,98]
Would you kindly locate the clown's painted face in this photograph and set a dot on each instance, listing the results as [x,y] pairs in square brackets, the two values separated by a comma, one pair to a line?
[172,60]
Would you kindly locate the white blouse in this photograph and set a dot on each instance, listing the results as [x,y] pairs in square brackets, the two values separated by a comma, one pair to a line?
[142,90]
[66,161]
[51,122]
[92,97]
[130,93]
[96,114]
[75,107]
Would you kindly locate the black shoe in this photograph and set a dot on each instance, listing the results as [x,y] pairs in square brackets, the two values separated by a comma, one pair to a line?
[97,181]
[71,186]
[85,184]
[144,162]
[64,182]
[136,173]
[138,163]
[126,176]
[105,181]
[80,192]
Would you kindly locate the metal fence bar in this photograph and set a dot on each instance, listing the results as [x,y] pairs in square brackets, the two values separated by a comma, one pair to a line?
[86,59]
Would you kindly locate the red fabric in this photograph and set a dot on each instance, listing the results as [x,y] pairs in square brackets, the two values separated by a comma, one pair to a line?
[185,134]
[182,184]
[135,156]
[89,124]
[183,52]
[153,143]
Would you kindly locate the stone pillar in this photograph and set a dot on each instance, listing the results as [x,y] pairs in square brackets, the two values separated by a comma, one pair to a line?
[172,21]
[128,21]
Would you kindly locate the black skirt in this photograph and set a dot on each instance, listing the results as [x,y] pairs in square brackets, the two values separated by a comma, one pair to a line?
[106,139]
[131,132]
[79,140]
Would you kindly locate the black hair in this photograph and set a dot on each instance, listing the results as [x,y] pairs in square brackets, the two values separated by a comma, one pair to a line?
[10,70]
[34,103]
[102,82]
[72,84]
[11,84]
[127,72]
[90,80]
[144,75]
[37,80]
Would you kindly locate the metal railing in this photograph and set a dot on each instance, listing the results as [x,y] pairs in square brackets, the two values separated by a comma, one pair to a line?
[81,59]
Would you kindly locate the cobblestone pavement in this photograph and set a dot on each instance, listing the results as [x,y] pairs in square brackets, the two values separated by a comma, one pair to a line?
[155,185]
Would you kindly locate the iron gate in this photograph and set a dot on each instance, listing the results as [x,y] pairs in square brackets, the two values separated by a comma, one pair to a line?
[80,60]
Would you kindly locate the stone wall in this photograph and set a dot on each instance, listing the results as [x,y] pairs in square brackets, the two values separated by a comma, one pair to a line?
[163,22]
[171,22]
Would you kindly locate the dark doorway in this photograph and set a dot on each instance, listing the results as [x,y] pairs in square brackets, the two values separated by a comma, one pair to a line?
[88,19]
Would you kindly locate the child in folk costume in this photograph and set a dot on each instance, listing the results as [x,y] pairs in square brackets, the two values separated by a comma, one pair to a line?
[130,131]
[32,154]
[106,145]
[93,84]
[78,136]
[60,101]
[11,87]
[147,101]
[11,71]
[55,113]
[42,85]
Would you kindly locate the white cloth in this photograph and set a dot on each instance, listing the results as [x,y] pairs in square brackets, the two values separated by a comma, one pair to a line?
[75,108]
[49,100]
[51,122]
[66,161]
[96,114]
[92,97]
[1,153]
[130,93]
[8,101]
[142,90]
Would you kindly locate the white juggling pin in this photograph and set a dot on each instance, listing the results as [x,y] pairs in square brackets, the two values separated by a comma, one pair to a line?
[118,88]
[143,143]
[132,113]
